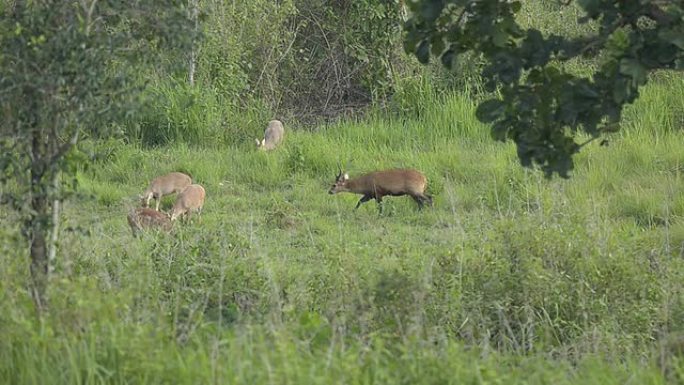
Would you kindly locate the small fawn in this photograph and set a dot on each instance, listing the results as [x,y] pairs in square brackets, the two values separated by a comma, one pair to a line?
[145,218]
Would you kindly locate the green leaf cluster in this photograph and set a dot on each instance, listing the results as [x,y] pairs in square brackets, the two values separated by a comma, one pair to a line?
[535,101]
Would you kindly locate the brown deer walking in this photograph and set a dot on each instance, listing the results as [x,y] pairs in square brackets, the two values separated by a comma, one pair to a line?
[378,184]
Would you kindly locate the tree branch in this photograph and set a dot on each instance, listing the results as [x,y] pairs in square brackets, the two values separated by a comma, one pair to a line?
[64,148]
[587,142]
[584,44]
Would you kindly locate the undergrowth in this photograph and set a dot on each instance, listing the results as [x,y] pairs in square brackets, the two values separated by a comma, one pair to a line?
[510,278]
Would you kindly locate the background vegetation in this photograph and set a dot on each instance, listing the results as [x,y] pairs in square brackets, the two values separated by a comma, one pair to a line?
[510,278]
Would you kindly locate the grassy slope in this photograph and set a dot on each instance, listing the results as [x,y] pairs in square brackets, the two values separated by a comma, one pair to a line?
[510,278]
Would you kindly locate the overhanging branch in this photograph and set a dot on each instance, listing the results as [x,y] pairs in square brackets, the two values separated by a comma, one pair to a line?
[64,148]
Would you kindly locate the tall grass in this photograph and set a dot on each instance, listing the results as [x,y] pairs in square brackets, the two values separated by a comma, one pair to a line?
[176,112]
[510,278]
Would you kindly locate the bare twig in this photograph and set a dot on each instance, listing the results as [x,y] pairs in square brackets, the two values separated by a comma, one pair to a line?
[588,141]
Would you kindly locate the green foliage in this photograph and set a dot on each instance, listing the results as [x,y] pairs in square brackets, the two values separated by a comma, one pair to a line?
[301,57]
[178,113]
[509,277]
[243,46]
[297,61]
[541,106]
[61,78]
[346,48]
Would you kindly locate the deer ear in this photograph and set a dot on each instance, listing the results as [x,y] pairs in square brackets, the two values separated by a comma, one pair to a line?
[346,176]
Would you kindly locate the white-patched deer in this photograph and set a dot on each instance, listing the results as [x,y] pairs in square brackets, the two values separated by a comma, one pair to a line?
[188,201]
[145,218]
[378,184]
[273,135]
[167,184]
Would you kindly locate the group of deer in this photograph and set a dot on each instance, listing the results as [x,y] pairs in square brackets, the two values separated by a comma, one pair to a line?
[374,185]
[190,199]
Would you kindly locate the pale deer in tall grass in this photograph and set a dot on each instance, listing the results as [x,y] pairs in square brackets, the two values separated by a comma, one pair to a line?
[188,201]
[273,135]
[168,184]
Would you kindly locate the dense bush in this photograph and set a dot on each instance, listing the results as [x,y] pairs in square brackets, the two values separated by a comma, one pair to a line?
[295,60]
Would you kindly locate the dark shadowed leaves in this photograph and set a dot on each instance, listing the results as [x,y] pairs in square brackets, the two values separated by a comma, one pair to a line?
[635,70]
[674,36]
[431,9]
[448,58]
[423,52]
[490,110]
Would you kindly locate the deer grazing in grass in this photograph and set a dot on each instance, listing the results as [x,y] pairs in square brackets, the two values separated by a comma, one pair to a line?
[188,201]
[273,135]
[167,184]
[145,218]
[376,185]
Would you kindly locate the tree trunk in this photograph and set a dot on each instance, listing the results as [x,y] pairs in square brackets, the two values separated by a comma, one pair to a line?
[54,231]
[37,223]
[191,74]
[39,262]
[194,12]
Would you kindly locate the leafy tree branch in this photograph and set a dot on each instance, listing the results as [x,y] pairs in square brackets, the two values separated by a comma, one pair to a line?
[540,105]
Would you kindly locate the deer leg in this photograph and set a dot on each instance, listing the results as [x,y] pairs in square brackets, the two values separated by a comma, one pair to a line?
[363,199]
[378,198]
[418,200]
[428,198]
[158,200]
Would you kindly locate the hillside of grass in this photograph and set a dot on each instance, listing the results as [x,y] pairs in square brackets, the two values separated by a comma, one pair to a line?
[510,278]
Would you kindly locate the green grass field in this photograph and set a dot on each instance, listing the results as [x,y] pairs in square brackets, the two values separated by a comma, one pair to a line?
[509,279]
